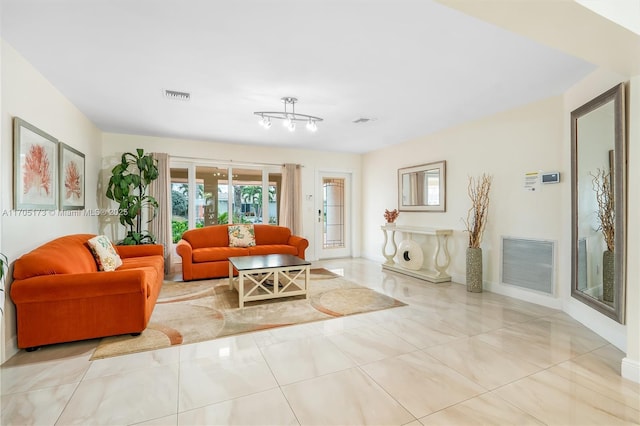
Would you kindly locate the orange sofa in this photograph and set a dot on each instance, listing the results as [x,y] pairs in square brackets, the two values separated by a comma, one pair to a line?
[205,251]
[60,295]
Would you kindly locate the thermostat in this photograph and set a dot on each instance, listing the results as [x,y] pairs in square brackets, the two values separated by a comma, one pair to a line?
[553,177]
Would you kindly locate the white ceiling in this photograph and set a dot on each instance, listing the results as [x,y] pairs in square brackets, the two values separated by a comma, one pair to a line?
[415,66]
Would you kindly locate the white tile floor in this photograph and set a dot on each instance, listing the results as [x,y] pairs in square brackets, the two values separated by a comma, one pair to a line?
[449,357]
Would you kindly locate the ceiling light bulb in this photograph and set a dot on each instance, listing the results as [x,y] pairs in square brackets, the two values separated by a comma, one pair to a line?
[267,123]
[291,126]
[311,126]
[287,122]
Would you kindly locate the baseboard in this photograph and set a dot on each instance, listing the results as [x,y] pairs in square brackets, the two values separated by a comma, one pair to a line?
[630,370]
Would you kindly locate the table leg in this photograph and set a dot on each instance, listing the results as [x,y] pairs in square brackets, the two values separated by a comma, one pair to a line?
[307,273]
[241,289]
[390,256]
[447,259]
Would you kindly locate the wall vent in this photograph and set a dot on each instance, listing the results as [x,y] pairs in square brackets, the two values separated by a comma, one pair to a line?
[528,264]
[178,96]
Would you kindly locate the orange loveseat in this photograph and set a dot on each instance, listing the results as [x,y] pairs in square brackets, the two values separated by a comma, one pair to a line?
[205,251]
[60,295]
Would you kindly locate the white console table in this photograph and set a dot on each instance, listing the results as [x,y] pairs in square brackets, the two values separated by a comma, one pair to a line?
[438,273]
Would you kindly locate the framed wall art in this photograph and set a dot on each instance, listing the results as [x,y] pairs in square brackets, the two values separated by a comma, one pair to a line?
[35,180]
[71,169]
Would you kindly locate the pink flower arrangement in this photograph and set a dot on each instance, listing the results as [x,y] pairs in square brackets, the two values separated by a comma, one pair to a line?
[391,216]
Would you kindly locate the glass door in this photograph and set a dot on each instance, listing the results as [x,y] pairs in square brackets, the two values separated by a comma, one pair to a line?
[333,216]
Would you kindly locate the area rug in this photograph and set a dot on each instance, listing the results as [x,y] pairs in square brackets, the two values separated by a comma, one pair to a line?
[190,312]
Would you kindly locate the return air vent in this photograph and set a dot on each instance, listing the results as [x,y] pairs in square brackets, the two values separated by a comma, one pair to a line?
[178,96]
[528,264]
[363,120]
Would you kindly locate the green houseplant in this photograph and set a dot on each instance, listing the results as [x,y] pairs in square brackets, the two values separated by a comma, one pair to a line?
[128,186]
[4,263]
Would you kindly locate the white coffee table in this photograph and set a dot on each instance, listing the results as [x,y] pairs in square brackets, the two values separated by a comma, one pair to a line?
[268,277]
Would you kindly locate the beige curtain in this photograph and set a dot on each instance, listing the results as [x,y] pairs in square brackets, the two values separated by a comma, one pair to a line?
[291,199]
[160,189]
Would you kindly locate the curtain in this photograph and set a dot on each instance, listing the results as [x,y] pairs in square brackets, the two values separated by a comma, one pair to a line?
[291,199]
[160,189]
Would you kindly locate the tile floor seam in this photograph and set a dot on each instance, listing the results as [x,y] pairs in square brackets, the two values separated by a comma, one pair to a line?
[583,386]
[387,392]
[66,404]
[495,394]
[284,395]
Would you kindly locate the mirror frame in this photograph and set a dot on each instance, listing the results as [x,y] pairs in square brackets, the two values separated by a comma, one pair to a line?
[615,95]
[442,207]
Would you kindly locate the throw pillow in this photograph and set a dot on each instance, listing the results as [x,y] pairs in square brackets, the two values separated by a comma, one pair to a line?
[242,236]
[105,253]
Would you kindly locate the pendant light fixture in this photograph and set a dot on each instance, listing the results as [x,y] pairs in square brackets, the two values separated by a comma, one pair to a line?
[289,118]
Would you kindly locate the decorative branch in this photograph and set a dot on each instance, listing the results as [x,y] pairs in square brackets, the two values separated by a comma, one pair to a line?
[478,190]
[606,212]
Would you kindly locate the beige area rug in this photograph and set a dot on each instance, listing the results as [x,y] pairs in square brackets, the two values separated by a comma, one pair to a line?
[190,312]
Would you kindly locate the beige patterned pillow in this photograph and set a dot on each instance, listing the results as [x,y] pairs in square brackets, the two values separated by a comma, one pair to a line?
[242,236]
[105,254]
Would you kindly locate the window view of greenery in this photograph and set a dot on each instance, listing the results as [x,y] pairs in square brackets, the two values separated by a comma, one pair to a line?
[211,205]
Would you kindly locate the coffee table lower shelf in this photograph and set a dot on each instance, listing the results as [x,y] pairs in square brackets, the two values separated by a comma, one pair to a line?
[269,282]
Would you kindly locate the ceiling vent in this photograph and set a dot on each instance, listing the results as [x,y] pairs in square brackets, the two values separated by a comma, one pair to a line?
[362,120]
[178,96]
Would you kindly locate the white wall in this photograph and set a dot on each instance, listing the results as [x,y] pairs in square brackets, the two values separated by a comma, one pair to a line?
[26,94]
[313,162]
[631,363]
[506,146]
[535,137]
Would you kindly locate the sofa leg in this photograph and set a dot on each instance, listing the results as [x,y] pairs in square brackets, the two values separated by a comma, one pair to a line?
[135,334]
[32,349]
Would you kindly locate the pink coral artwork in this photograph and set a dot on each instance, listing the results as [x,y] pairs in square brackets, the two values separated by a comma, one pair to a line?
[35,181]
[36,171]
[72,178]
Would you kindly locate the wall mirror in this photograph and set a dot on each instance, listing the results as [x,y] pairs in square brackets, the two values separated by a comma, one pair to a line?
[422,188]
[598,198]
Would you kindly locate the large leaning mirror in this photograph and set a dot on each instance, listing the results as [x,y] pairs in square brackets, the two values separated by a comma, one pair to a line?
[422,188]
[598,198]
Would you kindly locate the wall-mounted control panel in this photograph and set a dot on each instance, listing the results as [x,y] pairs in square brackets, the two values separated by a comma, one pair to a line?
[550,177]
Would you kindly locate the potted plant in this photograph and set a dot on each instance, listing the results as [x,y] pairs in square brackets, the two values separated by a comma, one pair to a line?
[4,265]
[606,224]
[478,190]
[128,186]
[391,216]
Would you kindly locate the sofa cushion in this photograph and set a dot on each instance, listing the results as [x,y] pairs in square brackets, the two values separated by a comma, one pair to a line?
[65,255]
[157,262]
[104,252]
[273,249]
[242,235]
[214,254]
[209,236]
[271,234]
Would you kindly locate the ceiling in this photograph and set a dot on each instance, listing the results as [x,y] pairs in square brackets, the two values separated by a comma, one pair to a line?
[413,67]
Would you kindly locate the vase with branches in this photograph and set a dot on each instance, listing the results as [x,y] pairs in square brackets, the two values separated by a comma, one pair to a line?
[478,190]
[603,190]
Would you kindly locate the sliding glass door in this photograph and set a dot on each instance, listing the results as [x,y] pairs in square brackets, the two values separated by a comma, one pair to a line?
[205,195]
